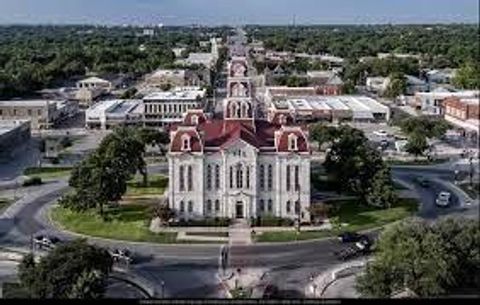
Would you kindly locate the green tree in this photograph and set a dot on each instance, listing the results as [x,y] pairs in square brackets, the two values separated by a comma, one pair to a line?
[468,76]
[74,269]
[417,144]
[381,192]
[430,260]
[351,163]
[322,134]
[397,86]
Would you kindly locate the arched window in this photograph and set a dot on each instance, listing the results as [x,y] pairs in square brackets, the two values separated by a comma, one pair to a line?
[209,206]
[244,110]
[181,178]
[297,178]
[209,177]
[288,178]
[297,207]
[217,205]
[182,206]
[270,177]
[248,177]
[231,177]
[190,206]
[262,177]
[239,176]
[185,142]
[217,176]
[270,205]
[292,142]
[190,178]
[195,119]
[289,208]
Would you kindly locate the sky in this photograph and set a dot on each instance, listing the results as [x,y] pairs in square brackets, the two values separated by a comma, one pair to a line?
[233,12]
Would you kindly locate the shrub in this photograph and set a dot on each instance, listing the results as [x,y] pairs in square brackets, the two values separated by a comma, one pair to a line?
[32,181]
[271,221]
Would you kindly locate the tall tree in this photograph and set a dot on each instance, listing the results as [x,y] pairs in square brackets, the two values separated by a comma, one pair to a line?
[74,269]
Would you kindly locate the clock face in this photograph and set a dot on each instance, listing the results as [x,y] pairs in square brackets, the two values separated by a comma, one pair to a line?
[239,70]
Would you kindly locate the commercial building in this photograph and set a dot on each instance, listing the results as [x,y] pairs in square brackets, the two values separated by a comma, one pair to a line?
[111,113]
[430,103]
[464,113]
[240,166]
[13,134]
[326,82]
[164,108]
[332,109]
[161,77]
[42,114]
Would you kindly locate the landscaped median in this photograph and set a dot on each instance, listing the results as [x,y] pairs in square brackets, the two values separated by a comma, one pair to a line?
[48,172]
[356,217]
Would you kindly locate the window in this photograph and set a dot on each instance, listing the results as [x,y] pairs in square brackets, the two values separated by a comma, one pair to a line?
[262,177]
[182,206]
[217,205]
[182,178]
[262,205]
[190,206]
[297,179]
[231,177]
[288,178]
[14,112]
[209,206]
[248,177]
[190,178]
[39,112]
[239,176]
[1,112]
[29,112]
[185,142]
[292,142]
[289,208]
[209,177]
[217,176]
[297,207]
[270,177]
[195,119]
[270,205]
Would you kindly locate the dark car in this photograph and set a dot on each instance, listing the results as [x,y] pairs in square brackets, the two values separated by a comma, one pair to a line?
[44,241]
[349,237]
[362,247]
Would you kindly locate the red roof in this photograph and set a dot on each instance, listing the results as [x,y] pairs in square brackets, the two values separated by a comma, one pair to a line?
[177,142]
[302,143]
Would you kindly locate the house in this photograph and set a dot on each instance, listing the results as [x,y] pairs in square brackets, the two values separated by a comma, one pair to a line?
[377,84]
[326,82]
[95,83]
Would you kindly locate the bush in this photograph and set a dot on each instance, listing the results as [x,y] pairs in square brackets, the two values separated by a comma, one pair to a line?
[271,221]
[209,222]
[32,181]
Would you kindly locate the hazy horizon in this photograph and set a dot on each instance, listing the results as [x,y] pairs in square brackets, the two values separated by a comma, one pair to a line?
[236,12]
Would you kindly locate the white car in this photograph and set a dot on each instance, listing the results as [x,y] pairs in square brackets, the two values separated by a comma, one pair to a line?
[380,133]
[443,199]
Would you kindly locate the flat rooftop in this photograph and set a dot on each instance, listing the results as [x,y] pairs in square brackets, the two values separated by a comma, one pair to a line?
[26,103]
[181,93]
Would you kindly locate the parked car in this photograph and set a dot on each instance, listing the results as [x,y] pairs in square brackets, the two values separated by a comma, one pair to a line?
[121,255]
[349,237]
[43,241]
[380,133]
[443,199]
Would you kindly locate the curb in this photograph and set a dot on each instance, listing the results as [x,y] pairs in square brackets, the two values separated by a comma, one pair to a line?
[138,282]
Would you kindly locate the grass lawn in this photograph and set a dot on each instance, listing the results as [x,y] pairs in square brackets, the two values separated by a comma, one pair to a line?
[126,222]
[156,185]
[350,212]
[4,203]
[48,172]
[473,192]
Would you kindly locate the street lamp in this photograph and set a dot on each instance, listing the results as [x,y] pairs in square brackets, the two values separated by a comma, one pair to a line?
[314,285]
[162,283]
